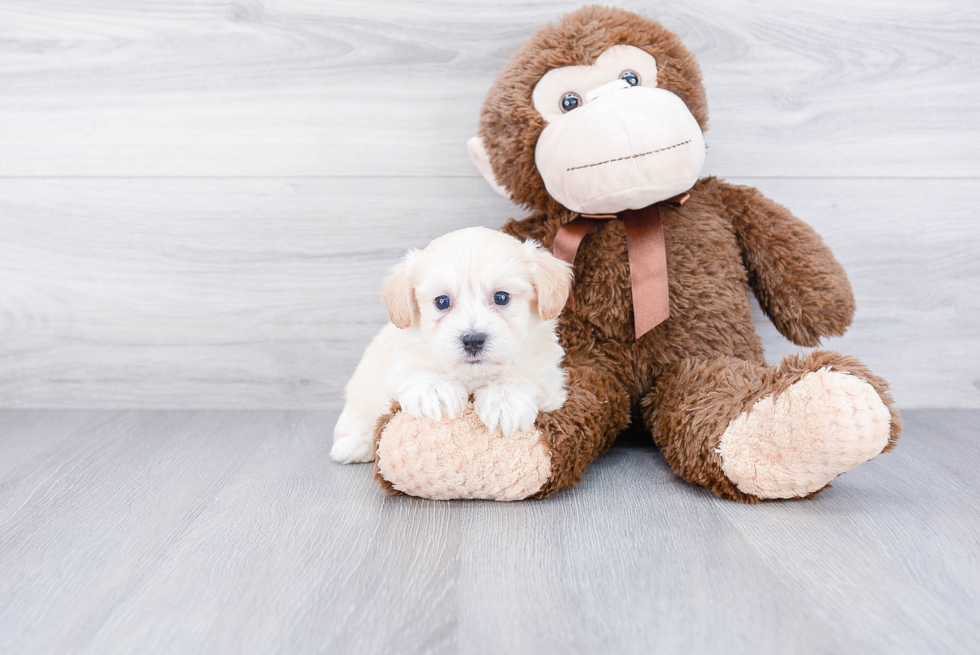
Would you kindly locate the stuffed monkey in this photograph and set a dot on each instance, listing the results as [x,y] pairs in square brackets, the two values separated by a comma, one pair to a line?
[595,126]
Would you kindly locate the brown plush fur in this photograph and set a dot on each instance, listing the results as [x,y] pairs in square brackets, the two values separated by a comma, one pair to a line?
[379,428]
[691,375]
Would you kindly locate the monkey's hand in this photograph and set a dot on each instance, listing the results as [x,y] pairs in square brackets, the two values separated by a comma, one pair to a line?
[800,285]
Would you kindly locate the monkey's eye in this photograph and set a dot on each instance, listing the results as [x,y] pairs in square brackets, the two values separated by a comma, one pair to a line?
[443,303]
[631,78]
[501,298]
[570,101]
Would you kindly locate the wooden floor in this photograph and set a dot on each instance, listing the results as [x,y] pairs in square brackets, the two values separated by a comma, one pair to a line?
[232,532]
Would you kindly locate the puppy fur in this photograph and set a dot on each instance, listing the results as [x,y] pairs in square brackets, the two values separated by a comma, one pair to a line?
[420,359]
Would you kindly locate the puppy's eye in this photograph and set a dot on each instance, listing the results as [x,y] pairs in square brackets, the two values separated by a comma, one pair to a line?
[570,101]
[631,78]
[443,303]
[501,298]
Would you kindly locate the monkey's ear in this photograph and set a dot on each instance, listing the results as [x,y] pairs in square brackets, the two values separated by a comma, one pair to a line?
[399,296]
[552,280]
[482,160]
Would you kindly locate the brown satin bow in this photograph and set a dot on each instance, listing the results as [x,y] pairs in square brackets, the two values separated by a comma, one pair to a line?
[647,253]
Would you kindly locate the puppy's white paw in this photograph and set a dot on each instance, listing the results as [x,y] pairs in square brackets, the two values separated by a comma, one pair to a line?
[433,397]
[505,408]
[351,450]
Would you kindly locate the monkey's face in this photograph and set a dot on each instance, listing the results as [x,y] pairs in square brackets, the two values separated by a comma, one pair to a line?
[613,140]
[598,113]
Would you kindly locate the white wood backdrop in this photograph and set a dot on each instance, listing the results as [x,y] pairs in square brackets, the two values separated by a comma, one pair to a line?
[198,198]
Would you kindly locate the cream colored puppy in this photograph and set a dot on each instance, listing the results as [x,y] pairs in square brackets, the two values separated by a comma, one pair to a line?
[472,313]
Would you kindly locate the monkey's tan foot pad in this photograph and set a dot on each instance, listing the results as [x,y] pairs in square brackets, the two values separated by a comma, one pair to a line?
[459,458]
[793,444]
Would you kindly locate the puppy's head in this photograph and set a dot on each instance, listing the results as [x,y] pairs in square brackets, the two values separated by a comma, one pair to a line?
[475,294]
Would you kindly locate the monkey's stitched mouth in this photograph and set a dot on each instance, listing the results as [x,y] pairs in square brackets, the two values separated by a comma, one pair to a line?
[642,154]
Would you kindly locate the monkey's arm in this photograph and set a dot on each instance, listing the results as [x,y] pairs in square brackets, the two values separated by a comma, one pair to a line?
[800,285]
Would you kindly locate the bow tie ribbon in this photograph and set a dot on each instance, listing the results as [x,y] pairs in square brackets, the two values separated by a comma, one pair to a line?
[647,254]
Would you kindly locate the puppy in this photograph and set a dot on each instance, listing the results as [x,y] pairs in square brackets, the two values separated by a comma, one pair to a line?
[472,313]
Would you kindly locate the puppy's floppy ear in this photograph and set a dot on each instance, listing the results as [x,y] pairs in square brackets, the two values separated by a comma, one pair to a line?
[552,279]
[398,294]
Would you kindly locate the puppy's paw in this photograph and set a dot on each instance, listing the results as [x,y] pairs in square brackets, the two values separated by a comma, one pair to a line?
[505,408]
[351,450]
[433,397]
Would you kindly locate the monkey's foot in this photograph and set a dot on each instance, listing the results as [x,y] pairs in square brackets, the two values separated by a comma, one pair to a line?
[792,444]
[459,458]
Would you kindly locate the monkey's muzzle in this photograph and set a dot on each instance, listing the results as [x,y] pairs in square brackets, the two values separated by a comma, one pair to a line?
[627,148]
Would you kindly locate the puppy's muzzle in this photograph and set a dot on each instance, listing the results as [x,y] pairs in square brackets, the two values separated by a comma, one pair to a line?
[473,342]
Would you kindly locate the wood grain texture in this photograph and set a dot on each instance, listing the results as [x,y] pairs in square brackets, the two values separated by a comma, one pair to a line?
[231,532]
[198,198]
[299,87]
[263,293]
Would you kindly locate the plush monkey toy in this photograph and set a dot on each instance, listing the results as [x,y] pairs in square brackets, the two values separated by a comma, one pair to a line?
[595,125]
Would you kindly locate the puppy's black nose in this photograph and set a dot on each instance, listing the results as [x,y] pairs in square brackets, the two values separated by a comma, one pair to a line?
[473,342]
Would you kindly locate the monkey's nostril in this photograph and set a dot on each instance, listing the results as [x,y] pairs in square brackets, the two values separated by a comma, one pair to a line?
[473,342]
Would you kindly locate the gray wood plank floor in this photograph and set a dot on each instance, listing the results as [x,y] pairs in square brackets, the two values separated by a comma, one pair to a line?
[231,532]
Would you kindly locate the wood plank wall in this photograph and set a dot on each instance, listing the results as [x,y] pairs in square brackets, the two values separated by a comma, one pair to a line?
[198,198]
